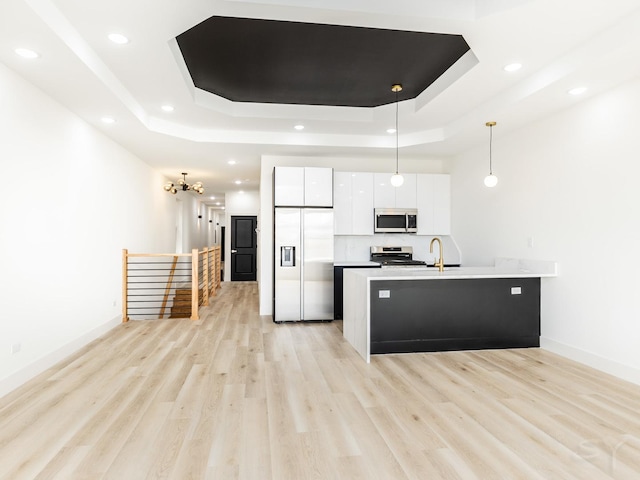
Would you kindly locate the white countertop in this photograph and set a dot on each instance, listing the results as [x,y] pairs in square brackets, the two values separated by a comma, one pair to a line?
[504,268]
[360,263]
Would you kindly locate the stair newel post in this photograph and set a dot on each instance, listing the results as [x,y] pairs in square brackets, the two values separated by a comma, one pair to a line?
[205,276]
[194,284]
[212,271]
[125,274]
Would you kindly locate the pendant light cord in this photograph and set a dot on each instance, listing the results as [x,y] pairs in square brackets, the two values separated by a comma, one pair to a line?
[490,150]
[397,132]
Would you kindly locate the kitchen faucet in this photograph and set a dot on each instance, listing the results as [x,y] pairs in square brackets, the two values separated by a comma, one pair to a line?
[439,263]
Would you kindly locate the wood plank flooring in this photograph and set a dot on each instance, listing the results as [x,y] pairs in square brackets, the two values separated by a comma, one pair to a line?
[235,396]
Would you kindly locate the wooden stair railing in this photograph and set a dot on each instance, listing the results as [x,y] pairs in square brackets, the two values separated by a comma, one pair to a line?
[191,282]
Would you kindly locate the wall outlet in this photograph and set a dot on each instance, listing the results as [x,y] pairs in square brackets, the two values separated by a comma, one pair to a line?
[15,348]
[516,290]
[384,294]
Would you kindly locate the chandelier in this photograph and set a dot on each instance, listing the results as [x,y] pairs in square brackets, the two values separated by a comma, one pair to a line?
[184,186]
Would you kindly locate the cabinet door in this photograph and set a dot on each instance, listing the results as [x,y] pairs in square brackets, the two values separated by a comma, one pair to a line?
[434,204]
[289,186]
[384,194]
[442,204]
[342,203]
[318,187]
[406,193]
[362,203]
[425,200]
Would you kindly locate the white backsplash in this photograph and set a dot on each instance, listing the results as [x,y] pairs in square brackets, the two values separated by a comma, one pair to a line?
[356,248]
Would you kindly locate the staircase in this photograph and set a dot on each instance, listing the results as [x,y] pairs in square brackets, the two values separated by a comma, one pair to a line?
[181,307]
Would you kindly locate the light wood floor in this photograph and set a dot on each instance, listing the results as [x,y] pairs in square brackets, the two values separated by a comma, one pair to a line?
[236,396]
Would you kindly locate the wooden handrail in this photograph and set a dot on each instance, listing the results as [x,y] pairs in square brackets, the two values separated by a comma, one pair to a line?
[160,254]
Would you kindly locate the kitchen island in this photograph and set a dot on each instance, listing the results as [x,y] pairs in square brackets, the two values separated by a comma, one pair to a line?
[423,310]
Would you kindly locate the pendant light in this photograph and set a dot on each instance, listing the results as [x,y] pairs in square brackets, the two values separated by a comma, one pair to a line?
[396,179]
[490,180]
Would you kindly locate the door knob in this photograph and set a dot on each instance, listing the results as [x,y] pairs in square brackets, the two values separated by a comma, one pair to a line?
[234,251]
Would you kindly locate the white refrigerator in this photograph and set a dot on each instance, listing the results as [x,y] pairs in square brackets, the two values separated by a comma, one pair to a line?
[303,266]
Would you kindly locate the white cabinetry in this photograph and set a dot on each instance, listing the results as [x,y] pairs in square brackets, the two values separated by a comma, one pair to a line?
[388,196]
[318,187]
[406,193]
[434,204]
[384,195]
[353,203]
[288,186]
[303,187]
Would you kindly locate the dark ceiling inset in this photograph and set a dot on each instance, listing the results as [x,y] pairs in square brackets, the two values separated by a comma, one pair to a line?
[268,61]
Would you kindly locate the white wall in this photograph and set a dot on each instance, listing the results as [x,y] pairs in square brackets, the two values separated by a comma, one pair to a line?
[569,185]
[215,219]
[72,200]
[341,164]
[236,203]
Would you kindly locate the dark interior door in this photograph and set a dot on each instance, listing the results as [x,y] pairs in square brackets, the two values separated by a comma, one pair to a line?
[243,248]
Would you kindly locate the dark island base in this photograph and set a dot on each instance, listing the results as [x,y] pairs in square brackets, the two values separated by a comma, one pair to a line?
[451,344]
[457,314]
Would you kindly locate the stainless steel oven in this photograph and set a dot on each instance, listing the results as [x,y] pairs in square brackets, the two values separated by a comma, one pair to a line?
[395,220]
[395,257]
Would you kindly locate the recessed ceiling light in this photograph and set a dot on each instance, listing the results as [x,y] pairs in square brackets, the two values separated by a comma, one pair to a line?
[391,130]
[577,91]
[238,182]
[108,120]
[212,198]
[241,192]
[299,127]
[168,108]
[118,38]
[217,203]
[512,67]
[231,162]
[26,53]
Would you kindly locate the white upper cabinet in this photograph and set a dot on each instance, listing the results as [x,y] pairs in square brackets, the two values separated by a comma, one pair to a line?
[384,194]
[388,196]
[406,193]
[288,186]
[353,203]
[318,187]
[342,212]
[303,187]
[362,204]
[434,204]
[442,204]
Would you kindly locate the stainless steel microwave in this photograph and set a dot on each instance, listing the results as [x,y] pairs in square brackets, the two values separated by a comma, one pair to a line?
[395,220]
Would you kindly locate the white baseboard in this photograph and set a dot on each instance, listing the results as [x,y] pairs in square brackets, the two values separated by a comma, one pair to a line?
[25,374]
[620,370]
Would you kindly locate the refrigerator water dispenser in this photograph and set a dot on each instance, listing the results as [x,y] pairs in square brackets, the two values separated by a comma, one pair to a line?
[287,256]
